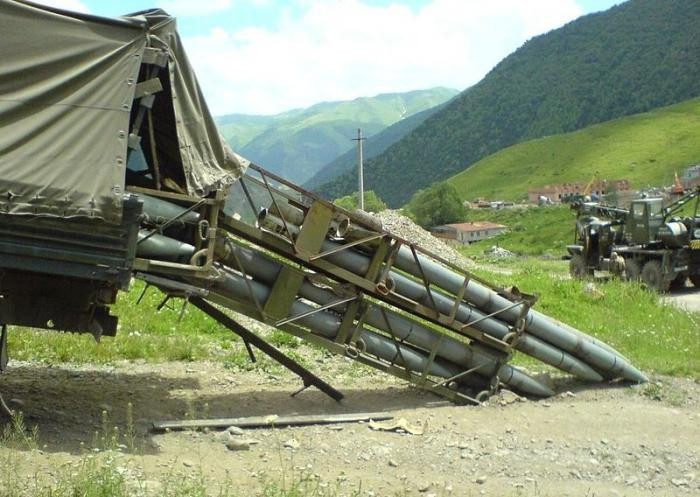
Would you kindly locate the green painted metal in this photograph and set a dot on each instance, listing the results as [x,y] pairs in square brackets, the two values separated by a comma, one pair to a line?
[284,291]
[314,230]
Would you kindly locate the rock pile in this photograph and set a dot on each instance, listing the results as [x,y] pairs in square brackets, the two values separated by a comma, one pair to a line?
[496,251]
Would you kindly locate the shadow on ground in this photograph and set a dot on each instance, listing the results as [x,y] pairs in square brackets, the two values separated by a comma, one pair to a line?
[67,405]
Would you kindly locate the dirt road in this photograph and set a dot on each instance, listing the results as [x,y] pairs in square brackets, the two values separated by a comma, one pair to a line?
[614,440]
[688,298]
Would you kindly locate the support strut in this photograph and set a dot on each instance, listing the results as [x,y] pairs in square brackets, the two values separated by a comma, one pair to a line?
[249,337]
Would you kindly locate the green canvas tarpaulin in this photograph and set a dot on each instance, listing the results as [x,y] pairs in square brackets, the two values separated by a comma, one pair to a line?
[67,84]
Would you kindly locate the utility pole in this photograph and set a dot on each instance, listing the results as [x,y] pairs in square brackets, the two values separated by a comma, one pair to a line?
[359,141]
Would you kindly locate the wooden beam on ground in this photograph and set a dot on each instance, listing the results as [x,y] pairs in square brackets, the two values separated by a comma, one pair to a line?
[270,421]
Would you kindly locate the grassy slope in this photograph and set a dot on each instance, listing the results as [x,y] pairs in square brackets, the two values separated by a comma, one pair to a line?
[644,148]
[240,129]
[534,231]
[656,337]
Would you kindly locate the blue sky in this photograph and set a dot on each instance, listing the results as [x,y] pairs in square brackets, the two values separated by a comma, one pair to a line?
[266,56]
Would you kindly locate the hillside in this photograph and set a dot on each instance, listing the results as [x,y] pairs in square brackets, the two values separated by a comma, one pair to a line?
[372,147]
[630,59]
[645,148]
[298,143]
[239,129]
[536,231]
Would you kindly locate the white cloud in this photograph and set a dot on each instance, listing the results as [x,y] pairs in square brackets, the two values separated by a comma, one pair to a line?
[72,5]
[342,49]
[191,8]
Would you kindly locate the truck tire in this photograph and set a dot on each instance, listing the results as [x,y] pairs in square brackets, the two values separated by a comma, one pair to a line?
[678,282]
[653,277]
[578,267]
[633,270]
[695,280]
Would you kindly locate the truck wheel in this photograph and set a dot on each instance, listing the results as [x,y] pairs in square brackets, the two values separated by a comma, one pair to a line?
[695,279]
[678,282]
[653,277]
[578,267]
[632,270]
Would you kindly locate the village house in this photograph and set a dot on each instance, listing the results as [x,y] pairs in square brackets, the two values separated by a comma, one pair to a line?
[467,233]
[691,177]
[561,192]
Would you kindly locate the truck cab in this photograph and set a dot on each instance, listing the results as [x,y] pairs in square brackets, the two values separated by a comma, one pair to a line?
[645,219]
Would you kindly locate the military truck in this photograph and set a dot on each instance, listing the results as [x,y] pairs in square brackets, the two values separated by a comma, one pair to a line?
[649,242]
[112,170]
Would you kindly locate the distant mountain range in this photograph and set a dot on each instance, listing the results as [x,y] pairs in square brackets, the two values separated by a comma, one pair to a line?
[299,143]
[372,147]
[635,57]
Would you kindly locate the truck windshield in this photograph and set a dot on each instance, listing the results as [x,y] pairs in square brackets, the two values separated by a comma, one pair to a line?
[638,210]
[655,207]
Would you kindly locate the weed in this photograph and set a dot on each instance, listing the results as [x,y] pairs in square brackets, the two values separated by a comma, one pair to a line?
[91,478]
[15,434]
[280,338]
[130,432]
[655,390]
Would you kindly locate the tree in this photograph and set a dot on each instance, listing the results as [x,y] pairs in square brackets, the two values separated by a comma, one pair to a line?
[439,204]
[351,202]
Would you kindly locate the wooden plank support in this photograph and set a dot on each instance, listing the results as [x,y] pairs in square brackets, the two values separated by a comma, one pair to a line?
[271,421]
[248,336]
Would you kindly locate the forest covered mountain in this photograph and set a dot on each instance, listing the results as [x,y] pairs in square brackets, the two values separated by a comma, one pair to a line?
[298,143]
[635,57]
[635,148]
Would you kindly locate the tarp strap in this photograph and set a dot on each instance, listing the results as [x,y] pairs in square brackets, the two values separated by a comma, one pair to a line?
[145,103]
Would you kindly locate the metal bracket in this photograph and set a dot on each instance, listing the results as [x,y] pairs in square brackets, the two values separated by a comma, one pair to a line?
[147,88]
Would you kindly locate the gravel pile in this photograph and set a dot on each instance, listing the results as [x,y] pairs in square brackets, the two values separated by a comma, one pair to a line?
[403,227]
[496,251]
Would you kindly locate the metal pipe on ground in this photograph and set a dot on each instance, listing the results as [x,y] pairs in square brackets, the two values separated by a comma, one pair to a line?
[328,324]
[266,270]
[606,361]
[466,314]
[358,263]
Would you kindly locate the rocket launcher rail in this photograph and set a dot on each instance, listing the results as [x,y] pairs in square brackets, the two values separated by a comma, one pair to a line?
[289,259]
[179,209]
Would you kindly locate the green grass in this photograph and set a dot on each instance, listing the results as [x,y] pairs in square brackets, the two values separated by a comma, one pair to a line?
[656,337]
[103,471]
[531,231]
[144,334]
[645,148]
